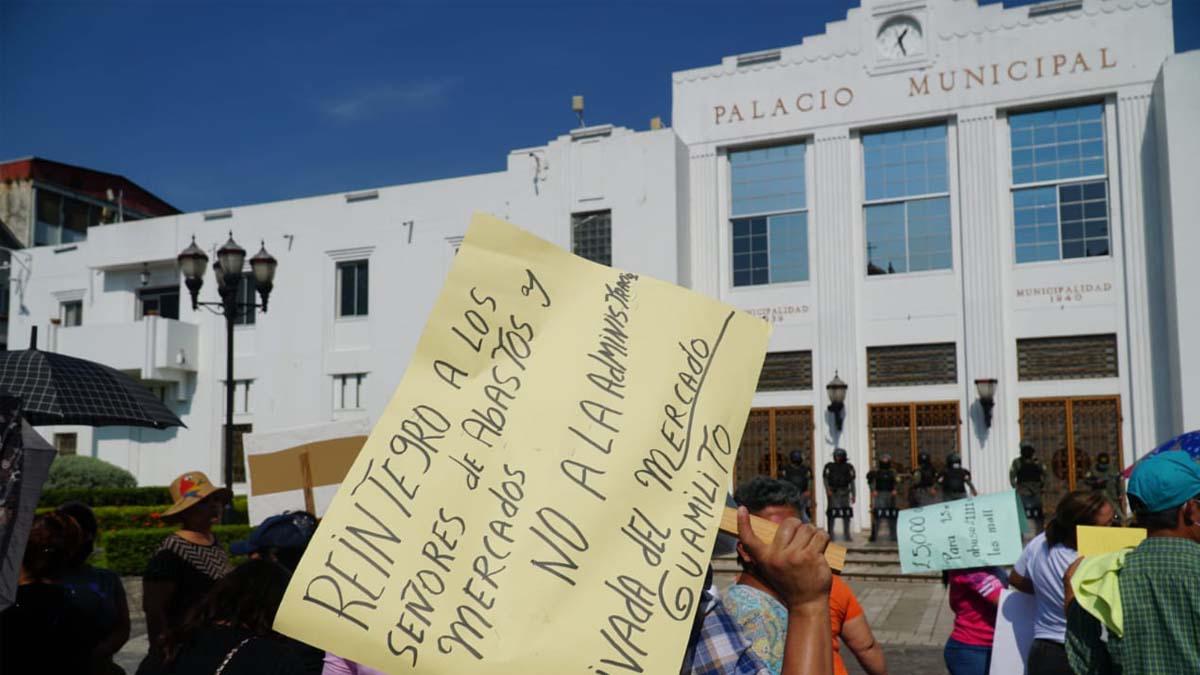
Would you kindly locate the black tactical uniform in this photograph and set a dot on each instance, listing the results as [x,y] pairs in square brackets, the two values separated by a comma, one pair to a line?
[839,486]
[923,490]
[955,480]
[1028,475]
[883,496]
[798,474]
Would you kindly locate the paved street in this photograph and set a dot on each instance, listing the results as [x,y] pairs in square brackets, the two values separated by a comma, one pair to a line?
[912,620]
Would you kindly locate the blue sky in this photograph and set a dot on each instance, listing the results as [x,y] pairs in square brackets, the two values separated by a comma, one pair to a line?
[219,104]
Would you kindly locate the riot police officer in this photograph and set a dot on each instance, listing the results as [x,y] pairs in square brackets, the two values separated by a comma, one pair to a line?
[883,496]
[839,489]
[800,475]
[955,480]
[1104,477]
[1028,475]
[923,490]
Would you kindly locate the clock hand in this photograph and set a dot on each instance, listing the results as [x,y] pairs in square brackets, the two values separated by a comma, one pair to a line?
[900,42]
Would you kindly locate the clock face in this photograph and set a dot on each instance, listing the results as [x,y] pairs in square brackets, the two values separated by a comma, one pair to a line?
[900,38]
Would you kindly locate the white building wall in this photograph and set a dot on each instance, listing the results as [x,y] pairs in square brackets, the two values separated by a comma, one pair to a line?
[669,195]
[408,234]
[1175,105]
[833,87]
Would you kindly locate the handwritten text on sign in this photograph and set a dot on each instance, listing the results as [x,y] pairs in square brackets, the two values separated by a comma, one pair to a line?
[974,532]
[542,492]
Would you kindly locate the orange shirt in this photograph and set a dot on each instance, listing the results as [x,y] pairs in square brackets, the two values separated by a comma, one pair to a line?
[843,606]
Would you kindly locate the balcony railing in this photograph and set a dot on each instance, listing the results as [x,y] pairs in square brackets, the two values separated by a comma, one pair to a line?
[154,348]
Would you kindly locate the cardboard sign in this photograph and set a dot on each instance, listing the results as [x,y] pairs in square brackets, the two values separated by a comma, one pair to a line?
[542,493]
[301,468]
[1097,540]
[1014,632]
[979,531]
[764,529]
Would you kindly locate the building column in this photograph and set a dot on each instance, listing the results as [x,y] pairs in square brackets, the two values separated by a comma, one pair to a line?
[1146,349]
[837,270]
[982,235]
[703,273]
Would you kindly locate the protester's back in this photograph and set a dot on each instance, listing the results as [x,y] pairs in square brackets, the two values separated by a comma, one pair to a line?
[43,632]
[230,631]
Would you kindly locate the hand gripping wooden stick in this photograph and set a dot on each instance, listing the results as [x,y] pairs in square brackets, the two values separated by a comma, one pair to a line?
[835,555]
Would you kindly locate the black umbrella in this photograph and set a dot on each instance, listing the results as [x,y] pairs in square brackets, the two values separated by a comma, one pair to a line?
[60,389]
[24,466]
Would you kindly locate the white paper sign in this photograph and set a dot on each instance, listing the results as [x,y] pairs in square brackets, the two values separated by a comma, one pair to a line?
[1014,632]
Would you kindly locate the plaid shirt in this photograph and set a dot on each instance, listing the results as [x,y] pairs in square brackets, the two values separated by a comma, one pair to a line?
[720,648]
[1160,598]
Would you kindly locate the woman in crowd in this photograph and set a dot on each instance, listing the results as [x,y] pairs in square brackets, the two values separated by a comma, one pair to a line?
[43,632]
[97,592]
[187,565]
[974,598]
[229,632]
[1040,571]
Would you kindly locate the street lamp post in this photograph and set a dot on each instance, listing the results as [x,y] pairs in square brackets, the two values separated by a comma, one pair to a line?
[228,271]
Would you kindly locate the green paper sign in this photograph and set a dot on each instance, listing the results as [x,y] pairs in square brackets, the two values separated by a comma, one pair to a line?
[974,532]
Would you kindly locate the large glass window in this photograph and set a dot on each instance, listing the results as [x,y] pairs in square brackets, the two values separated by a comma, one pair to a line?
[907,210]
[352,288]
[770,215]
[247,311]
[1059,184]
[591,236]
[61,219]
[162,302]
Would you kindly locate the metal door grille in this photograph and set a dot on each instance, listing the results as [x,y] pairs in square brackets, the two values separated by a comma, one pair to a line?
[904,430]
[1068,433]
[771,435]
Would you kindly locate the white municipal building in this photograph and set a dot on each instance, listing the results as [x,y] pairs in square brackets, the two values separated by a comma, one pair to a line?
[928,194]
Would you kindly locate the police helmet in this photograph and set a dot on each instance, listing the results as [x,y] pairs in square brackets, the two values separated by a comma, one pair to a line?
[923,458]
[1102,458]
[839,455]
[953,459]
[797,457]
[885,459]
[1027,451]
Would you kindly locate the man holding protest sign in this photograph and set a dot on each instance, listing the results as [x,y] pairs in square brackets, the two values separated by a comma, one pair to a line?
[762,608]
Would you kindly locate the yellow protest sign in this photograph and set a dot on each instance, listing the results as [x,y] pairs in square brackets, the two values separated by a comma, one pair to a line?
[1097,540]
[543,490]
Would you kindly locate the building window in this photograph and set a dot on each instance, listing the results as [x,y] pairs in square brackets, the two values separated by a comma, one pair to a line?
[786,371]
[352,288]
[907,211]
[162,302]
[71,313]
[61,219]
[1075,357]
[912,365]
[348,391]
[770,215]
[591,236]
[241,397]
[66,444]
[239,451]
[1059,184]
[246,305]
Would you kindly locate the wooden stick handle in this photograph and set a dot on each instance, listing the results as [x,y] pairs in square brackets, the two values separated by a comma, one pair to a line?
[835,555]
[307,484]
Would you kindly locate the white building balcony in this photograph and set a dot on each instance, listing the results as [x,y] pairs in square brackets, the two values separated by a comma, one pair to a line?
[153,349]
